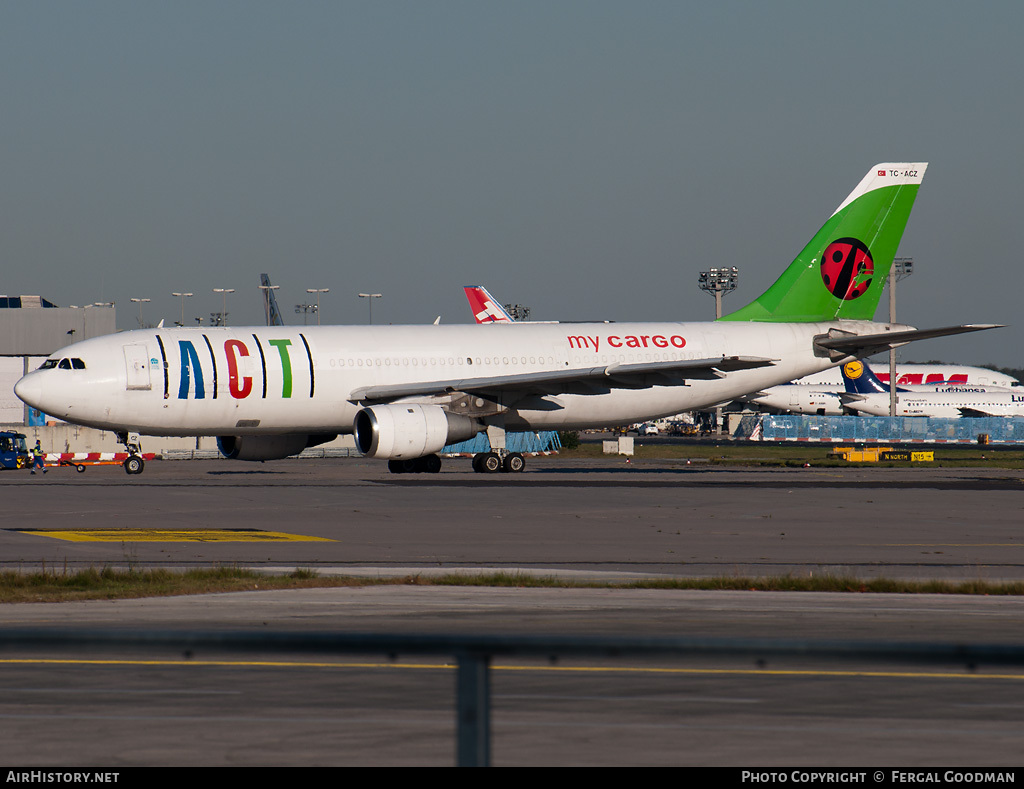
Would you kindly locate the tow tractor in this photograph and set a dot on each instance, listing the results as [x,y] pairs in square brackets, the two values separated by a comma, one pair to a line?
[13,450]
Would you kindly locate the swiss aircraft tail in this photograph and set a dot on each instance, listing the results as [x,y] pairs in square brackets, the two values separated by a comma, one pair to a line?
[486,308]
[858,379]
[842,271]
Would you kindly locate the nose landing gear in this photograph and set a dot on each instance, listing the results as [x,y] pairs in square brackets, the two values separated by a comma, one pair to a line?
[133,464]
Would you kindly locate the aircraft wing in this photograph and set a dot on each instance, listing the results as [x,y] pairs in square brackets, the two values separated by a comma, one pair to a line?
[969,411]
[860,345]
[584,380]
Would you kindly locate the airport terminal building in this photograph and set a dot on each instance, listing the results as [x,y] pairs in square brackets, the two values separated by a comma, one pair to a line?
[31,328]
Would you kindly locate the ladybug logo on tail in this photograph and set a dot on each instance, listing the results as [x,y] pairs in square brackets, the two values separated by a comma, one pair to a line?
[847,268]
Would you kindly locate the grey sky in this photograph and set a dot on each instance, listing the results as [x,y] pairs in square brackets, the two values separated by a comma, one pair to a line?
[585,158]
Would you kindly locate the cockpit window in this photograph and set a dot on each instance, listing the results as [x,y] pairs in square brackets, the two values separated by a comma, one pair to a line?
[63,364]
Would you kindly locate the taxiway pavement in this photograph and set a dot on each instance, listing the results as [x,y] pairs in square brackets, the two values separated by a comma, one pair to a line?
[592,519]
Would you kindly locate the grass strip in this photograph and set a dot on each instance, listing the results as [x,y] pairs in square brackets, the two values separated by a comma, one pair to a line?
[113,584]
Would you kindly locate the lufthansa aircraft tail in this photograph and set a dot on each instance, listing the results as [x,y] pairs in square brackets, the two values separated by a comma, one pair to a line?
[842,271]
[859,379]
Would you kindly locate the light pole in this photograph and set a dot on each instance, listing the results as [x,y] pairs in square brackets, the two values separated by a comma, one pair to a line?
[140,302]
[266,298]
[318,291]
[901,269]
[222,320]
[371,297]
[183,296]
[718,281]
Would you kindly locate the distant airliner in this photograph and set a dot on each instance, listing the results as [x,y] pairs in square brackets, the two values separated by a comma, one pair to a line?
[867,395]
[922,373]
[486,309]
[270,392]
[817,395]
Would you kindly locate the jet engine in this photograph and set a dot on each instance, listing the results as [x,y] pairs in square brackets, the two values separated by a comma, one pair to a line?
[404,432]
[269,447]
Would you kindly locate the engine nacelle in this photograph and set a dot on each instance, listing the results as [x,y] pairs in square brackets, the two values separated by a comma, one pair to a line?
[405,432]
[268,447]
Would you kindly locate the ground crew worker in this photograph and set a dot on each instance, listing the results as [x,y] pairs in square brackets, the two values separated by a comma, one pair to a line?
[37,459]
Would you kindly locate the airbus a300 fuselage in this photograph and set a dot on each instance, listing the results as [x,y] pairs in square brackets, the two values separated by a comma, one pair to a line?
[406,392]
[315,379]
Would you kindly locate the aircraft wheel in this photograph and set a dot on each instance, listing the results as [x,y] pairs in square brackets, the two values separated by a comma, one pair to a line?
[134,464]
[395,466]
[490,463]
[79,468]
[413,466]
[476,462]
[514,463]
[431,464]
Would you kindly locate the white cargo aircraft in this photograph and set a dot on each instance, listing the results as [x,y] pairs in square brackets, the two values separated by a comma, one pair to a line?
[270,392]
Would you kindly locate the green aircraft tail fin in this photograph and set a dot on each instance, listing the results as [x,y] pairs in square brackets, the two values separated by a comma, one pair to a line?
[842,271]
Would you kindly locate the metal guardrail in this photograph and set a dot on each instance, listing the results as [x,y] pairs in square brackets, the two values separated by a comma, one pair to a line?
[473,655]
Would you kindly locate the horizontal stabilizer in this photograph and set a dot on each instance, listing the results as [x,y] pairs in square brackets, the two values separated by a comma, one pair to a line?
[867,344]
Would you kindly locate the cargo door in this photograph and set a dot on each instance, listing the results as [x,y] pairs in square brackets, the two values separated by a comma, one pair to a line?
[136,362]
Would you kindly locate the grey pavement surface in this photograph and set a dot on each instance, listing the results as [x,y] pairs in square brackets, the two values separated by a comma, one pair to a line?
[593,520]
[652,519]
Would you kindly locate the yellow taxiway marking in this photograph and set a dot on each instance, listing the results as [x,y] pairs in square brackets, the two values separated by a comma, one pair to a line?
[171,535]
[500,667]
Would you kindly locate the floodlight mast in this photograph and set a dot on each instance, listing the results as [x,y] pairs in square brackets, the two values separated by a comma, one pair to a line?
[183,296]
[901,269]
[318,291]
[370,297]
[221,318]
[267,289]
[140,302]
[718,281]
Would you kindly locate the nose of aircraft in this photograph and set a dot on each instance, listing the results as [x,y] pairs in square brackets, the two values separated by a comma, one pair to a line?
[29,390]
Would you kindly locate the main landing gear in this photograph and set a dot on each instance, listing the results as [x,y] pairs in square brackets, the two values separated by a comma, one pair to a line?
[493,462]
[133,464]
[483,463]
[430,464]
